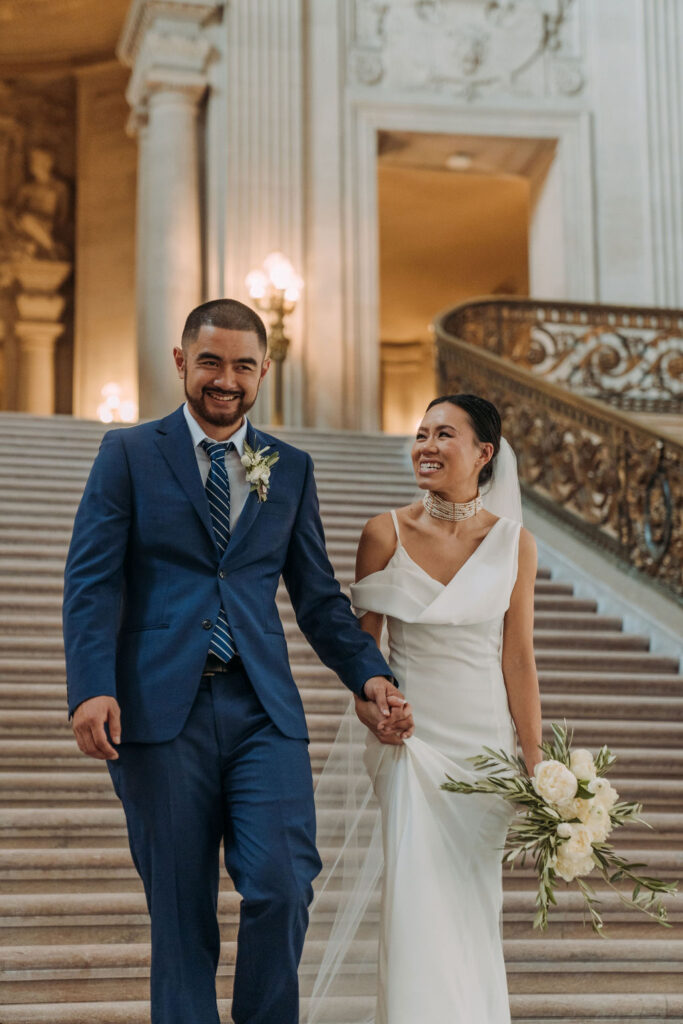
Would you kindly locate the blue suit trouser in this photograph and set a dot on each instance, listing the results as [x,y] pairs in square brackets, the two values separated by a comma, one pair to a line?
[230,775]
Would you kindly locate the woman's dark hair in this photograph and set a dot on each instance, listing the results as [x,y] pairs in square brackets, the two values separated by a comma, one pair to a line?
[485,421]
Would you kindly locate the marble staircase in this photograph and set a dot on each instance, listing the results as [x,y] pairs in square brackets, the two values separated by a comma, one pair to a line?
[73,923]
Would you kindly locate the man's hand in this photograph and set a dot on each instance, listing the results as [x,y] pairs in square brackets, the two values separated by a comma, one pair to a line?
[378,690]
[89,720]
[393,728]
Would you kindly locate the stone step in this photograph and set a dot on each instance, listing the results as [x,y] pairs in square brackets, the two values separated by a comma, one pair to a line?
[66,788]
[63,754]
[552,681]
[39,645]
[650,1008]
[66,428]
[28,909]
[100,822]
[28,619]
[52,724]
[123,929]
[593,953]
[23,684]
[367,498]
[330,699]
[93,865]
[549,608]
[34,973]
[14,665]
[52,476]
[14,580]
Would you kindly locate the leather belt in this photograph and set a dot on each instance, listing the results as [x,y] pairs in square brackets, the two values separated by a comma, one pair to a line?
[214,666]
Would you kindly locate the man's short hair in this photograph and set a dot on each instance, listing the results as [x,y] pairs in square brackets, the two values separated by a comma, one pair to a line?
[227,313]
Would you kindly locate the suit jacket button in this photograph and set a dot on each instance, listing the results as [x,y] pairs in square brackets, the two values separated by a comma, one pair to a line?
[207,624]
[221,574]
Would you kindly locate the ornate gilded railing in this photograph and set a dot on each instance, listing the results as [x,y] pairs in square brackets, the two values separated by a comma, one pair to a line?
[617,482]
[631,358]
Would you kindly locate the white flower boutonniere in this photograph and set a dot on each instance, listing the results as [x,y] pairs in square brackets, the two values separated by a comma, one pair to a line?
[258,465]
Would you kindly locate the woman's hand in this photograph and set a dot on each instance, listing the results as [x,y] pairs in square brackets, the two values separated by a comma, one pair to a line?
[392,729]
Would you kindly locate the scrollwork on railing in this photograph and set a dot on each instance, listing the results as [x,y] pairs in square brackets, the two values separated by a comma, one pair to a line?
[617,482]
[631,358]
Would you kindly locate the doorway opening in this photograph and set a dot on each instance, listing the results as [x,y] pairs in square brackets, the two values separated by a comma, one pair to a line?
[456,221]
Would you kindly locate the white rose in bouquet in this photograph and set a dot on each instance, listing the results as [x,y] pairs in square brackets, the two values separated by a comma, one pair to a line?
[576,808]
[582,764]
[575,855]
[604,793]
[554,783]
[598,821]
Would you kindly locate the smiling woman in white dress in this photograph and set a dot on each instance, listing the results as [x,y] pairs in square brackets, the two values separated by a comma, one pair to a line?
[454,579]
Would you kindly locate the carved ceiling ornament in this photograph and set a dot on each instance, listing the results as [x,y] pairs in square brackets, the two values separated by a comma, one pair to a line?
[468,47]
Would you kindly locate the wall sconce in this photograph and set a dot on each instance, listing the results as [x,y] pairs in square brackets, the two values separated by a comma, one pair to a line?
[112,410]
[275,289]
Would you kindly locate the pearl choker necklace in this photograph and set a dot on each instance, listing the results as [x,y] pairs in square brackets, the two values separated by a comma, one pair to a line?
[451,510]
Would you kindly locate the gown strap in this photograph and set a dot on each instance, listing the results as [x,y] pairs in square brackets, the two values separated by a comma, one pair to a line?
[394,518]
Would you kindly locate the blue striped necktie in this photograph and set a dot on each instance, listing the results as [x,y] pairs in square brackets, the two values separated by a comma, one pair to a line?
[218,493]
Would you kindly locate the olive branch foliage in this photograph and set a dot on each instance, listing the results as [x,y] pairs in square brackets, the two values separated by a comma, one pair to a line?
[533,833]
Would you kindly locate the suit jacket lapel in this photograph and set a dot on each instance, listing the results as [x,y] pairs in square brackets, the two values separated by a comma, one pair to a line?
[252,505]
[175,444]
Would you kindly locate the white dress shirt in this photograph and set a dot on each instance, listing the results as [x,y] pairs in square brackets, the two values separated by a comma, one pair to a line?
[237,474]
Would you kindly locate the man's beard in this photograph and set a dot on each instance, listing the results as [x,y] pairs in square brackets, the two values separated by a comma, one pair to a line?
[233,412]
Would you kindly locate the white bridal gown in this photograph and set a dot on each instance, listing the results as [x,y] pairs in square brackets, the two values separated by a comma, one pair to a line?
[434,950]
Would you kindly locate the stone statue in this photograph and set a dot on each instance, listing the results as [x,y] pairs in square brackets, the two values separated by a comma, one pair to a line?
[41,210]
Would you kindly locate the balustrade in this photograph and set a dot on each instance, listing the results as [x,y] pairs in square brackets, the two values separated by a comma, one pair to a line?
[618,482]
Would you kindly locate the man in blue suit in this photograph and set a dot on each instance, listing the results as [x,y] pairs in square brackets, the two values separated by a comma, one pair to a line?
[178,672]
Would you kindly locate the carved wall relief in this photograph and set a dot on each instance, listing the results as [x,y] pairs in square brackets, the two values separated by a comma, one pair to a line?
[468,48]
[37,156]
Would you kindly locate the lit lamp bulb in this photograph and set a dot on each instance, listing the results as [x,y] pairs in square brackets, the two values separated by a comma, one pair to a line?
[276,288]
[257,283]
[112,409]
[128,412]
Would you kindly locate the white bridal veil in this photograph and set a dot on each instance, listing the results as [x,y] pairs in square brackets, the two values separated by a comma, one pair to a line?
[338,972]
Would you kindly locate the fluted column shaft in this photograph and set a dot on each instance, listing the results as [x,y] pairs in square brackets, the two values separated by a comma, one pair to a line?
[255,165]
[170,271]
[166,46]
[663,42]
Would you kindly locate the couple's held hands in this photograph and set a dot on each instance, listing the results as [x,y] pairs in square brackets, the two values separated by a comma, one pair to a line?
[88,722]
[386,713]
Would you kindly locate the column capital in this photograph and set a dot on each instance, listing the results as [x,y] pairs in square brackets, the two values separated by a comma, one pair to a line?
[179,15]
[36,335]
[163,42]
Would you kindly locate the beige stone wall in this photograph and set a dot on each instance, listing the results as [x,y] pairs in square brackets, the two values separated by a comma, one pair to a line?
[105,342]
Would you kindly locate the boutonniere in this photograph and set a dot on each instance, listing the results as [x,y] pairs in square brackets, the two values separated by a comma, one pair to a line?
[257,465]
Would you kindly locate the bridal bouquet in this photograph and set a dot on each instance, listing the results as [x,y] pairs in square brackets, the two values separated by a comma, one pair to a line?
[568,811]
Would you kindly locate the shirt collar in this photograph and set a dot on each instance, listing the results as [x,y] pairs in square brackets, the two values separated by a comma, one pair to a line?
[198,435]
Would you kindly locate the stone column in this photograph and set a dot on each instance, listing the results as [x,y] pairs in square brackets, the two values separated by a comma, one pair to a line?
[255,164]
[37,361]
[37,328]
[165,45]
[663,42]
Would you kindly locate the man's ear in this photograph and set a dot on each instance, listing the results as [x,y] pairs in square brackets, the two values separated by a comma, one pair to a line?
[265,367]
[179,358]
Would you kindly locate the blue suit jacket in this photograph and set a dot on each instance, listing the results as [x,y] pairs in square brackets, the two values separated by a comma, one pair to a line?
[144,576]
